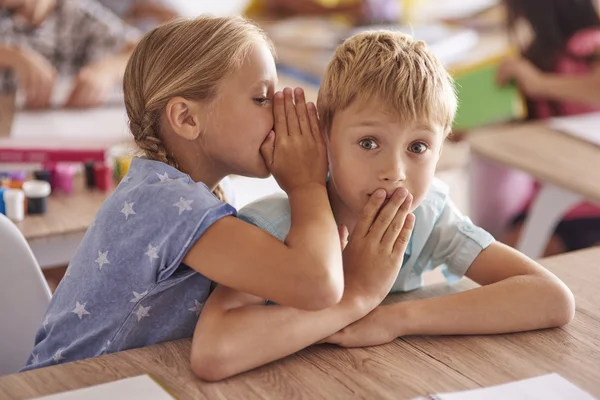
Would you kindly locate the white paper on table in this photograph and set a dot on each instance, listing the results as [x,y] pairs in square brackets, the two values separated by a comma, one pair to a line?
[545,387]
[584,126]
[138,388]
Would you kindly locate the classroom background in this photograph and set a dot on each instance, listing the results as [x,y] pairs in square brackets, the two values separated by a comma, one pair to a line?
[530,179]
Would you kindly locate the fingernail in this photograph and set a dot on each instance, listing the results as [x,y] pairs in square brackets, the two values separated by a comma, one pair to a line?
[287,90]
[278,95]
[380,193]
[401,192]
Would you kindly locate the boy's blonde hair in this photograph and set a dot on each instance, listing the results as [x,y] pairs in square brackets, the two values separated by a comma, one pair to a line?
[393,68]
[187,58]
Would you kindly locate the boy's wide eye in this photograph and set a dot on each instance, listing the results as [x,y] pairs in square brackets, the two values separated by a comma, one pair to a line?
[368,144]
[418,147]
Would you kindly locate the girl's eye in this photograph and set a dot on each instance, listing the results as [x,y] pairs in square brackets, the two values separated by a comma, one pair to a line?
[368,144]
[261,101]
[418,148]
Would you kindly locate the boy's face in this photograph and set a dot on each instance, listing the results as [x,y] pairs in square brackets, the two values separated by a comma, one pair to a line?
[370,147]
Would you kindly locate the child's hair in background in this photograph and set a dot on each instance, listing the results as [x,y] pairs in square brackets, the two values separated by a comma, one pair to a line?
[393,68]
[186,58]
[553,23]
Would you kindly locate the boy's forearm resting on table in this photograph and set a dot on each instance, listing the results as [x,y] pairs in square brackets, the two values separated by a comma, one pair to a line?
[230,341]
[531,299]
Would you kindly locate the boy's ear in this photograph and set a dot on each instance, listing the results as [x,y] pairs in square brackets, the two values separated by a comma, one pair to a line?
[184,117]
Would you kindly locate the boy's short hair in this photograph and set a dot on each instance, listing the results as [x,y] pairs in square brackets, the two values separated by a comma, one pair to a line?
[391,67]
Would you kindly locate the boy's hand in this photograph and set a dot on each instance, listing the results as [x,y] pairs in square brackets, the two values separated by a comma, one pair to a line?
[295,153]
[35,76]
[91,86]
[374,254]
[372,330]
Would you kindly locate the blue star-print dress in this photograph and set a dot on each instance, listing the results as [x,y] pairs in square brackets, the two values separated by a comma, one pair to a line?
[126,286]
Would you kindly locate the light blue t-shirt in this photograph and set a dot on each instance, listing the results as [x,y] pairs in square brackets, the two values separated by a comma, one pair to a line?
[442,236]
[126,286]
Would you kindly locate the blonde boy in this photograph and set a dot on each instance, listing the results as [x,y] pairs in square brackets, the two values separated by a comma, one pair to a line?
[386,105]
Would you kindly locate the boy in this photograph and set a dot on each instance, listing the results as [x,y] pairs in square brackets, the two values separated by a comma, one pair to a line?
[386,105]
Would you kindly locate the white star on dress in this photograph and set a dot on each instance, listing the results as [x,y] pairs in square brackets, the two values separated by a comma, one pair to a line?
[58,355]
[126,178]
[183,205]
[142,312]
[152,252]
[102,258]
[197,307]
[138,296]
[36,359]
[164,177]
[127,209]
[46,322]
[80,310]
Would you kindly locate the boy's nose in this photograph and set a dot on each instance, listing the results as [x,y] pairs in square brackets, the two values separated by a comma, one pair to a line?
[393,173]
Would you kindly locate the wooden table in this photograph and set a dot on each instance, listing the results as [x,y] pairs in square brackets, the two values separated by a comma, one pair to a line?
[569,169]
[403,369]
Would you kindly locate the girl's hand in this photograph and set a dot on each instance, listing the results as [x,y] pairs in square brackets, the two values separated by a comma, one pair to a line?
[526,75]
[295,152]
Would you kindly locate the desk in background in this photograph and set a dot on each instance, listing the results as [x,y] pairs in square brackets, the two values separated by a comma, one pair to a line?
[569,169]
[403,369]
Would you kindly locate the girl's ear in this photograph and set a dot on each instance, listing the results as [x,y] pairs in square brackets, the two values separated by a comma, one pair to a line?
[184,117]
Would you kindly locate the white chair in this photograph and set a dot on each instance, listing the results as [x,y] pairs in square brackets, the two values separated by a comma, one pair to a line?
[24,297]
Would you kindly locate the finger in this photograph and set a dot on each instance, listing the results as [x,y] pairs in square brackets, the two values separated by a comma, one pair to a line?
[387,214]
[73,100]
[279,115]
[368,214]
[267,149]
[302,112]
[343,232]
[395,227]
[290,112]
[405,234]
[314,121]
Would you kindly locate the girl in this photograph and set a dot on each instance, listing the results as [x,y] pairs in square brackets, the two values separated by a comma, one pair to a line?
[559,73]
[198,95]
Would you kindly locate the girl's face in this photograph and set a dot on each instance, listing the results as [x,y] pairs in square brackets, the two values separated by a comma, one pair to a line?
[241,116]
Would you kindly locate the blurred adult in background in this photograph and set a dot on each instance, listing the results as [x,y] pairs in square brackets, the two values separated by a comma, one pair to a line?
[44,40]
[143,14]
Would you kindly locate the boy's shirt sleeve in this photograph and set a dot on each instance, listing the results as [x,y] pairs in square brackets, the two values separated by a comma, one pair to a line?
[456,242]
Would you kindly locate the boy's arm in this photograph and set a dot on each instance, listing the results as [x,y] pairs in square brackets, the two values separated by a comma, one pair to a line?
[237,332]
[517,294]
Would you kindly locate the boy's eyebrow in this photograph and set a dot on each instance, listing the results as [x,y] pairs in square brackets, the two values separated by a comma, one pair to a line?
[367,123]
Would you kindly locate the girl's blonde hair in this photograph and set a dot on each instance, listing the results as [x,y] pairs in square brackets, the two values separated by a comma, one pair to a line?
[186,58]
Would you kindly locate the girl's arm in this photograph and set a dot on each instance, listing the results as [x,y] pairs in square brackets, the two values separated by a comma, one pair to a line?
[237,332]
[540,85]
[517,294]
[306,271]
